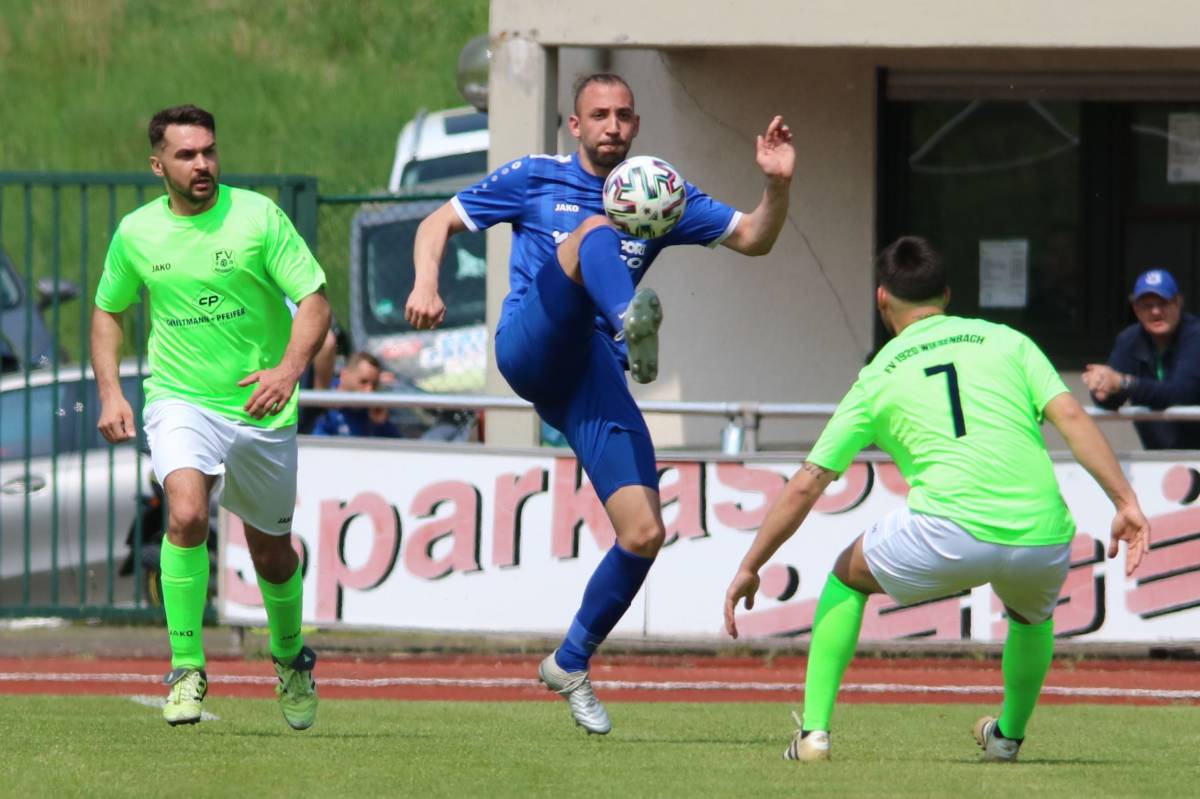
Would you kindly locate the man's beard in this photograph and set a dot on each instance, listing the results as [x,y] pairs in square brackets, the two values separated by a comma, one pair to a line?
[607,158]
[185,191]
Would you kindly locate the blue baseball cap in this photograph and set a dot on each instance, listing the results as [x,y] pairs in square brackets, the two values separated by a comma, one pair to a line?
[1156,281]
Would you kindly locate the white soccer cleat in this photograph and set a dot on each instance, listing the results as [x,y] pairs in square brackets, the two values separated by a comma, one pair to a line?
[996,748]
[576,688]
[807,747]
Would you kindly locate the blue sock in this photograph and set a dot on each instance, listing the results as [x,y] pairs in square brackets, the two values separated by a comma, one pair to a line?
[606,278]
[613,586]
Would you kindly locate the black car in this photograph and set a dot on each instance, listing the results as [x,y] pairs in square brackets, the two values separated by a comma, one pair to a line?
[20,337]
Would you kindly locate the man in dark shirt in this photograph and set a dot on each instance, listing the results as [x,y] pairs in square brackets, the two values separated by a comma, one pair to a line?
[1155,363]
[361,373]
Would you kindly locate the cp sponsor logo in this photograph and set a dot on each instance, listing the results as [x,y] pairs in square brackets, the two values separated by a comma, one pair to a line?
[208,301]
[223,262]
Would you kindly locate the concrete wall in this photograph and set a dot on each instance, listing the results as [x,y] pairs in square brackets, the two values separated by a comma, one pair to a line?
[1062,24]
[797,324]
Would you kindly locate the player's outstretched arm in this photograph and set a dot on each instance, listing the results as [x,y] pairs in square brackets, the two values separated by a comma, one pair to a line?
[425,309]
[116,415]
[275,385]
[1091,449]
[757,231]
[783,519]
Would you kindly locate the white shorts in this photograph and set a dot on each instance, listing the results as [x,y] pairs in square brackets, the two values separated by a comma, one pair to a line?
[915,557]
[259,464]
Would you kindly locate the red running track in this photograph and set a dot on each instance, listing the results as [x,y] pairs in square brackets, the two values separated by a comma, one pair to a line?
[633,678]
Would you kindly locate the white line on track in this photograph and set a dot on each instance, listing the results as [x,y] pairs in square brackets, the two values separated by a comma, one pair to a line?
[515,682]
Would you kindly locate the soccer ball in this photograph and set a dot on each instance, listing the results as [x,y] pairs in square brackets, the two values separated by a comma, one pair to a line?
[644,196]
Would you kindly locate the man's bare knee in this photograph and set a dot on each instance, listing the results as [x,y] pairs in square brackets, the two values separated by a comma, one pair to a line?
[644,539]
[274,558]
[187,524]
[568,251]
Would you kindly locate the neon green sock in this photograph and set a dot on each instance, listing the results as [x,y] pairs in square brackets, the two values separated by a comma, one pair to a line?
[285,607]
[835,635]
[1028,651]
[185,593]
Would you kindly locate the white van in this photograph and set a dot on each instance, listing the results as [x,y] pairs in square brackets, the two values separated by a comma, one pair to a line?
[438,152]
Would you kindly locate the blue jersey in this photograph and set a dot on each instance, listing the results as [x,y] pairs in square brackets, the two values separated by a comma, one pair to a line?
[545,197]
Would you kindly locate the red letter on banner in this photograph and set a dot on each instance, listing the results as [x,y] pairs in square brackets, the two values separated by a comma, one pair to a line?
[763,481]
[237,588]
[575,505]
[683,501]
[857,486]
[511,493]
[332,572]
[941,620]
[1168,580]
[462,525]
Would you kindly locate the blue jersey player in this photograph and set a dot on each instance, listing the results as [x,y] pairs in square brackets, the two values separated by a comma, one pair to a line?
[572,323]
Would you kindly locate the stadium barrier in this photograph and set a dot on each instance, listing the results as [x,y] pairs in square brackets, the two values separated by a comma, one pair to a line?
[466,537]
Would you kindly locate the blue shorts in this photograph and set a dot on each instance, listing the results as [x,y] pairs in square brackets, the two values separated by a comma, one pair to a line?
[551,353]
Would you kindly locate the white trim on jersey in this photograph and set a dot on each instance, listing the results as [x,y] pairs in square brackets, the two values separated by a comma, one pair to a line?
[732,226]
[463,215]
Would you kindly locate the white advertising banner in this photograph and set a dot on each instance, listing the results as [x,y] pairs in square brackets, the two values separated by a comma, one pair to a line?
[472,539]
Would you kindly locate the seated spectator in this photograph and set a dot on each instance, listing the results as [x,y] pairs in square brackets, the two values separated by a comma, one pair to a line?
[361,373]
[1155,363]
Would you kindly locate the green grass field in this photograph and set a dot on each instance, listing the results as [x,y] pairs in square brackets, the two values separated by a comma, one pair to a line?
[109,746]
[310,87]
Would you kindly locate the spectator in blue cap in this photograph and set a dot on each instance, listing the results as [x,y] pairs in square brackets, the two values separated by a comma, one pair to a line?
[1155,363]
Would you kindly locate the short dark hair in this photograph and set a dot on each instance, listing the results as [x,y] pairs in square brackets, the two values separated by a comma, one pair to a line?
[359,357]
[179,115]
[911,270]
[607,78]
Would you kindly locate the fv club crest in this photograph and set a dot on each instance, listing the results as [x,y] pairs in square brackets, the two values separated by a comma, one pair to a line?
[223,262]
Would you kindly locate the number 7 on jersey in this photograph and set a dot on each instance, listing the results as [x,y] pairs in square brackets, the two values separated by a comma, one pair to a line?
[960,424]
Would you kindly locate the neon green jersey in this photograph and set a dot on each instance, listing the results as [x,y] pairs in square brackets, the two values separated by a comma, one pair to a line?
[216,283]
[957,403]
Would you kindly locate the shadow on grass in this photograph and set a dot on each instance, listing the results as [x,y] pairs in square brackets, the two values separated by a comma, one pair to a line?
[304,734]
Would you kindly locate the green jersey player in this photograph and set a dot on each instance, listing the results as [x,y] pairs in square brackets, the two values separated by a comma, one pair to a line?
[225,356]
[957,403]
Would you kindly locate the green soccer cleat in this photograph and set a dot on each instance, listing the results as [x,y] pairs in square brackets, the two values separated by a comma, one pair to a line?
[185,701]
[641,321]
[297,690]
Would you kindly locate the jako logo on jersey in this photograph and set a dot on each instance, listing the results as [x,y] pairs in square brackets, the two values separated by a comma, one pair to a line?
[633,247]
[569,208]
[223,262]
[559,236]
[209,300]
[160,268]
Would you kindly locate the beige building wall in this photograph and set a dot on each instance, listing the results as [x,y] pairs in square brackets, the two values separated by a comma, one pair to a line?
[795,325]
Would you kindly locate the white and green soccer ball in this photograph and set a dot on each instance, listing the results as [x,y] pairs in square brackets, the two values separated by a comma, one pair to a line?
[644,196]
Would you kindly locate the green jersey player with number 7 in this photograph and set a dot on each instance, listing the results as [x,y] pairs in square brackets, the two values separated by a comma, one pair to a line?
[957,403]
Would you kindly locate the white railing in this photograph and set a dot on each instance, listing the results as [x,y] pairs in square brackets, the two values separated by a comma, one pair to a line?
[739,435]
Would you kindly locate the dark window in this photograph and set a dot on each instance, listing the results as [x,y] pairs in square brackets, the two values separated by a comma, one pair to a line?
[436,170]
[465,123]
[1046,211]
[388,277]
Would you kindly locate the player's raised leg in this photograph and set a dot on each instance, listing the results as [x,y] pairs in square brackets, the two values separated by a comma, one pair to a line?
[184,569]
[591,256]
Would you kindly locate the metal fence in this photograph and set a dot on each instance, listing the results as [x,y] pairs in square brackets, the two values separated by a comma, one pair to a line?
[66,497]
[72,508]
